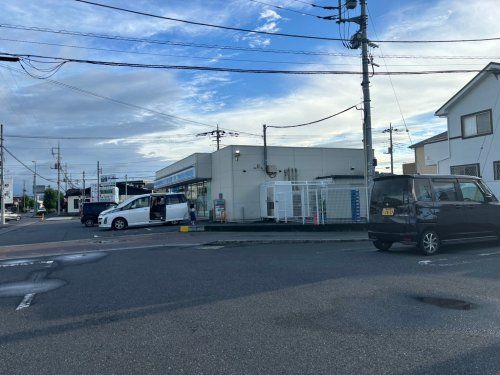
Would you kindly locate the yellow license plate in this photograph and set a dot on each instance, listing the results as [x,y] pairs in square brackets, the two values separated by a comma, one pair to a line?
[388,211]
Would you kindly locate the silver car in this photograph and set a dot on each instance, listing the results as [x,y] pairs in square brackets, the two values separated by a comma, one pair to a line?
[12,216]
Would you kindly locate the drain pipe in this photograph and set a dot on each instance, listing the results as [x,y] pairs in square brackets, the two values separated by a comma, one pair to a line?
[264,129]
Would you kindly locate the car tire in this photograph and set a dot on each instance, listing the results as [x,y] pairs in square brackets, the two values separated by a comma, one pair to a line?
[89,223]
[429,243]
[119,224]
[382,246]
[18,218]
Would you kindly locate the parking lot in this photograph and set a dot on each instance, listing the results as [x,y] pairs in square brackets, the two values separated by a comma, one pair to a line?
[286,308]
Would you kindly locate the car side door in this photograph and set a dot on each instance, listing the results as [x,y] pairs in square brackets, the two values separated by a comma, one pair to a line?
[448,208]
[478,214]
[137,211]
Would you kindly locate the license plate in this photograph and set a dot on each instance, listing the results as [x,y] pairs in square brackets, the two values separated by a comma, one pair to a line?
[388,211]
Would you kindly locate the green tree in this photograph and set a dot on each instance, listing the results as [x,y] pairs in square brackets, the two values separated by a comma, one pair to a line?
[50,199]
[26,203]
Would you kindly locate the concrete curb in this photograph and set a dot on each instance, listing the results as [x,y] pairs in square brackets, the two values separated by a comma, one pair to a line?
[285,241]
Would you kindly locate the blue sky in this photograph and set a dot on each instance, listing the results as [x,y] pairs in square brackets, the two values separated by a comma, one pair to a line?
[143,141]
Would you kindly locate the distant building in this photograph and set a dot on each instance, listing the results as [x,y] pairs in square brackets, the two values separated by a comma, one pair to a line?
[74,197]
[423,164]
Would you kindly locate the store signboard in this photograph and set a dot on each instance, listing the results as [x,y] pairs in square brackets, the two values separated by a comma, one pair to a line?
[185,175]
[107,180]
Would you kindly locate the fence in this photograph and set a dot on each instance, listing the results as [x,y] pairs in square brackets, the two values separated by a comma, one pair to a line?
[313,202]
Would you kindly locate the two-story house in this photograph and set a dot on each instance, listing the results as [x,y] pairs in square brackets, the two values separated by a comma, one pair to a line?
[472,146]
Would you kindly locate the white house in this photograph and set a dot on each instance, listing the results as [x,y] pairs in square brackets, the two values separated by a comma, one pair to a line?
[472,146]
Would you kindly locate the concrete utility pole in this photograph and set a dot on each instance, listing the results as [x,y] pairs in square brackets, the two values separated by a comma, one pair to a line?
[83,191]
[391,145]
[361,39]
[58,167]
[98,181]
[24,195]
[126,187]
[2,192]
[366,94]
[218,134]
[35,208]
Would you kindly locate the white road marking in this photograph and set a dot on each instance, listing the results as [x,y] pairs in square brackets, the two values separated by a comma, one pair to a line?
[209,247]
[24,263]
[26,302]
[425,262]
[486,254]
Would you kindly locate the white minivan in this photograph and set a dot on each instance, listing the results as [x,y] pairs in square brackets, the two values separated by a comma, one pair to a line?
[147,209]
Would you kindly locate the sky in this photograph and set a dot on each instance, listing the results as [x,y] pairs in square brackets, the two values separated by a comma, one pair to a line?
[145,119]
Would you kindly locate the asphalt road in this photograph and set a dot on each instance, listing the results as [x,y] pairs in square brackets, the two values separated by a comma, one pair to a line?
[304,308]
[30,230]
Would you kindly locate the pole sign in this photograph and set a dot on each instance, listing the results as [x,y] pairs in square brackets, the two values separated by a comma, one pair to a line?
[8,193]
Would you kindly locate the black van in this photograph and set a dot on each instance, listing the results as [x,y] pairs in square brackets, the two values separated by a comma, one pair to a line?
[91,210]
[428,210]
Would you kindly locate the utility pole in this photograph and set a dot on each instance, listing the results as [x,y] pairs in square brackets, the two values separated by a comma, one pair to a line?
[126,187]
[35,208]
[24,195]
[58,167]
[83,191]
[360,39]
[218,134]
[2,192]
[98,181]
[391,145]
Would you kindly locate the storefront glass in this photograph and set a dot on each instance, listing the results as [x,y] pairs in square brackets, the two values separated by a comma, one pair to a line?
[199,194]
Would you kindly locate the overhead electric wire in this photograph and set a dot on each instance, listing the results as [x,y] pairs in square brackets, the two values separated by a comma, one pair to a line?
[285,8]
[117,101]
[279,34]
[234,48]
[25,166]
[238,70]
[313,122]
[196,23]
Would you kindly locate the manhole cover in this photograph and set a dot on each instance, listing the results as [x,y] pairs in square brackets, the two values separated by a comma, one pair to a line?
[447,303]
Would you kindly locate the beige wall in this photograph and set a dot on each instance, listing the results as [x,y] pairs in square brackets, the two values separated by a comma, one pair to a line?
[420,162]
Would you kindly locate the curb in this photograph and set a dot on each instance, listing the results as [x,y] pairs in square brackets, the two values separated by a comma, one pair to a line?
[285,241]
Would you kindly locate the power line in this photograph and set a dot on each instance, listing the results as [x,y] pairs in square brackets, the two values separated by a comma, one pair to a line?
[196,23]
[121,102]
[24,57]
[314,122]
[286,9]
[280,34]
[216,58]
[235,48]
[25,166]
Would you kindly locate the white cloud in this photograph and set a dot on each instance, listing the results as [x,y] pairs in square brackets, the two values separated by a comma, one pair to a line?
[269,14]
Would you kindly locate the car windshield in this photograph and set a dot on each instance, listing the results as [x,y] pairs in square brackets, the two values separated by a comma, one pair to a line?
[390,192]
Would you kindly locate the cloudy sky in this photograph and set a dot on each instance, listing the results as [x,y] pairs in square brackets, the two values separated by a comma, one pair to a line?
[144,119]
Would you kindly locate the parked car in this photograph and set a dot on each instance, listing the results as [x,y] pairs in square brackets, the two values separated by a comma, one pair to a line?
[90,212]
[146,209]
[429,210]
[12,216]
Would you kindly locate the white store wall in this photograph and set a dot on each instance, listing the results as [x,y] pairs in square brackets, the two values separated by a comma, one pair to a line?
[238,179]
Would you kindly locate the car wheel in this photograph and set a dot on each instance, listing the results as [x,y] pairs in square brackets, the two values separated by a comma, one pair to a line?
[119,224]
[18,218]
[89,223]
[382,246]
[429,243]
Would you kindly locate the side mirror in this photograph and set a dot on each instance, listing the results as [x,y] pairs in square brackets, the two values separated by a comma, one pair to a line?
[489,198]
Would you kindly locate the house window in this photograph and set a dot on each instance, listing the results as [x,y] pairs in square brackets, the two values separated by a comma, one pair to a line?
[466,170]
[477,124]
[75,204]
[496,170]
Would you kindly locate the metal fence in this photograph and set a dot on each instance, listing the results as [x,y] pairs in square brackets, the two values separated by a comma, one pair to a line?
[313,202]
